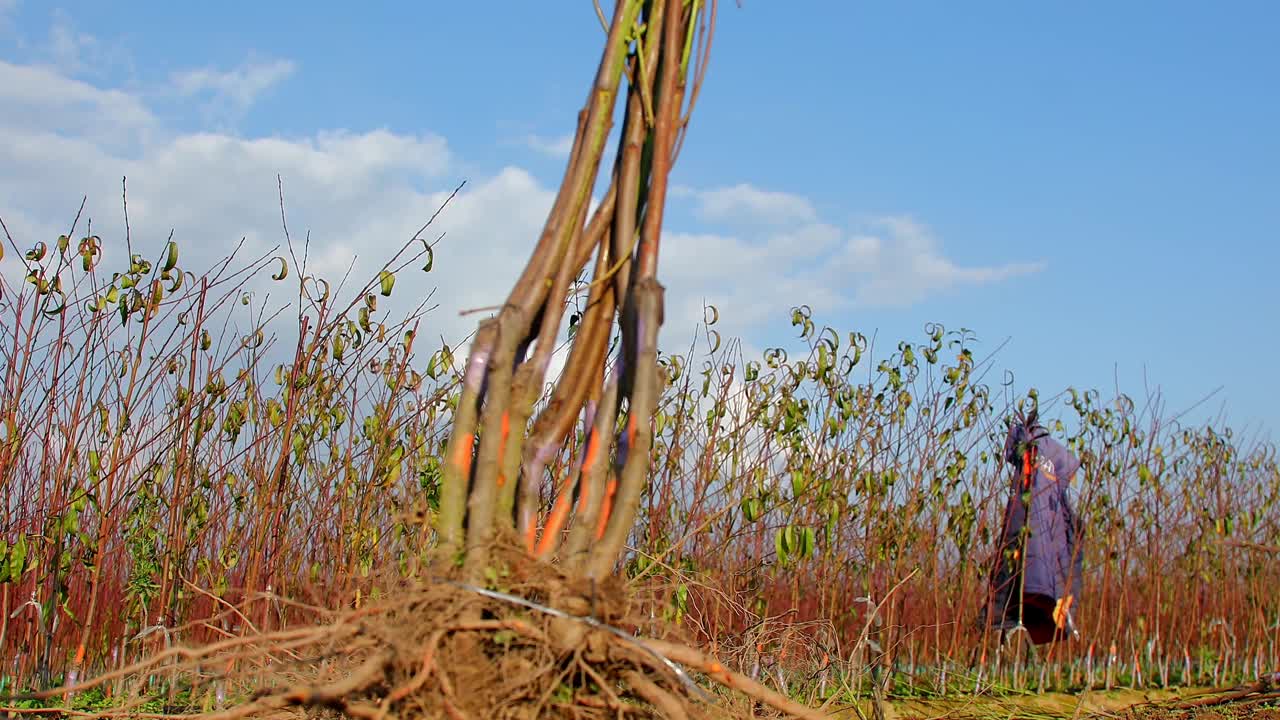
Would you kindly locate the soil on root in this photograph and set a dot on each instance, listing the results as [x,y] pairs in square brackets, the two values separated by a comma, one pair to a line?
[505,648]
[527,642]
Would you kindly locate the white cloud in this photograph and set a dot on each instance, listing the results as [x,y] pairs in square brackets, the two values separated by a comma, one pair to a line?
[360,195]
[754,277]
[230,93]
[904,264]
[745,203]
[68,45]
[557,147]
[44,102]
[75,52]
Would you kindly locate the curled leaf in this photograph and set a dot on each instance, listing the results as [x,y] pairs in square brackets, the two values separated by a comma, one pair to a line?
[284,269]
[54,311]
[170,256]
[253,341]
[176,364]
[710,314]
[387,280]
[441,360]
[317,282]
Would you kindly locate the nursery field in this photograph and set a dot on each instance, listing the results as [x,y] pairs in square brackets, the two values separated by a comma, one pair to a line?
[821,522]
[247,490]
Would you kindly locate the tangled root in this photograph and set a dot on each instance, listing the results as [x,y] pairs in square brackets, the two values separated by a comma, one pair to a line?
[532,644]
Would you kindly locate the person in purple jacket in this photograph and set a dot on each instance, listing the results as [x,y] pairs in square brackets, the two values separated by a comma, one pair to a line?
[1037,576]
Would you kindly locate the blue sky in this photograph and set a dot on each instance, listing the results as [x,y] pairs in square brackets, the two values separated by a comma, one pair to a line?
[1097,183]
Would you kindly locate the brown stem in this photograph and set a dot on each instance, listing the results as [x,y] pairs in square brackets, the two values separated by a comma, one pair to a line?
[639,433]
[541,447]
[648,690]
[643,314]
[456,471]
[481,502]
[531,293]
[592,500]
[732,680]
[670,94]
[582,375]
[529,383]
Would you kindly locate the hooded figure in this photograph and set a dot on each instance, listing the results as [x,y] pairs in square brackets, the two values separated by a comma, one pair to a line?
[1038,568]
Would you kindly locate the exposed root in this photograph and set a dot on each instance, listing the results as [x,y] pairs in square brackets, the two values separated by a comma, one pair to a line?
[668,705]
[734,680]
[446,649]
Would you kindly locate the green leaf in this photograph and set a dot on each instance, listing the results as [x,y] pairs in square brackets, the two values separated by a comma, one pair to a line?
[431,259]
[171,256]
[807,541]
[284,269]
[799,482]
[18,558]
[387,280]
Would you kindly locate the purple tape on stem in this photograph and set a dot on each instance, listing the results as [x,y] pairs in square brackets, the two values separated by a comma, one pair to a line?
[475,370]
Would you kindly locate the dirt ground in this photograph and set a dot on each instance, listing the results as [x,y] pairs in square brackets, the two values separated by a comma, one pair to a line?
[1125,704]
